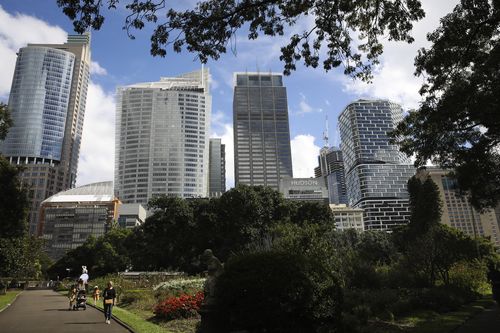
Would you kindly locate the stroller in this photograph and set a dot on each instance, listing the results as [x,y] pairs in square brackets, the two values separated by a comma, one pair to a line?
[81,300]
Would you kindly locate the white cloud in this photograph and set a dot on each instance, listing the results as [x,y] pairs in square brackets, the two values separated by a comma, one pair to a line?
[96,69]
[98,141]
[227,139]
[305,107]
[394,77]
[304,155]
[16,31]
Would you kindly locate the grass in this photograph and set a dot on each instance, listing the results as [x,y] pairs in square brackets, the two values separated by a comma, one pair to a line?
[8,298]
[433,322]
[137,323]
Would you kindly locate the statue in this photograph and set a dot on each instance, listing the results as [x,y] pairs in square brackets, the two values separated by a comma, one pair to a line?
[211,319]
[215,269]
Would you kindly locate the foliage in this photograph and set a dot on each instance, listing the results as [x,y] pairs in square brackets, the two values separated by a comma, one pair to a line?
[13,201]
[104,255]
[458,124]
[307,212]
[425,204]
[5,121]
[20,257]
[211,25]
[278,291]
[181,284]
[184,306]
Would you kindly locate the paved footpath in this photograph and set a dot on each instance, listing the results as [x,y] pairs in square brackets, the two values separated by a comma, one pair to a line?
[43,311]
[487,321]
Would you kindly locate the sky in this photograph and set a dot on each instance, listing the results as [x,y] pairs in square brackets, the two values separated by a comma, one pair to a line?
[313,94]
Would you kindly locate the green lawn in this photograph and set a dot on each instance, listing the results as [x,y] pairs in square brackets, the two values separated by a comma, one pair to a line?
[432,322]
[8,298]
[137,323]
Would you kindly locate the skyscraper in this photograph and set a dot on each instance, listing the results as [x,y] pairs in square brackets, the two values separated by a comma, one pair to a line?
[47,104]
[262,154]
[217,168]
[376,171]
[331,169]
[162,141]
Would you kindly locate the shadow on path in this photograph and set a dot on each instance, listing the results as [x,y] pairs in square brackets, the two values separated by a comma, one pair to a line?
[487,321]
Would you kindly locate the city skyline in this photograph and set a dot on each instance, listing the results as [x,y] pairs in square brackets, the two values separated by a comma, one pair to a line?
[40,21]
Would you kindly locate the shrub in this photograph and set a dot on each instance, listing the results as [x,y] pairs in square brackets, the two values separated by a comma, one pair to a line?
[184,306]
[278,292]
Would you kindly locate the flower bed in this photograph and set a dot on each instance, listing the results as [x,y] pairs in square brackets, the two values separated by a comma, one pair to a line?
[184,306]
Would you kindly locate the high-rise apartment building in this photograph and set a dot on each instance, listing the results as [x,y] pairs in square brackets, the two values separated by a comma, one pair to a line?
[457,212]
[162,131]
[262,154]
[377,172]
[331,169]
[47,104]
[217,168]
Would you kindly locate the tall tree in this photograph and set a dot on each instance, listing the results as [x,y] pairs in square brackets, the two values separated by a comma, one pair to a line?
[211,25]
[5,120]
[14,202]
[425,204]
[458,123]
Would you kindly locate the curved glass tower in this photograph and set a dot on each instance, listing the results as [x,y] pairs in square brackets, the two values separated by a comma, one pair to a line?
[39,100]
[47,104]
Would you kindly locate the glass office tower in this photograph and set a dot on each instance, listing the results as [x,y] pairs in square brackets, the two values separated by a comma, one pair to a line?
[262,154]
[331,169]
[47,104]
[376,171]
[217,167]
[162,145]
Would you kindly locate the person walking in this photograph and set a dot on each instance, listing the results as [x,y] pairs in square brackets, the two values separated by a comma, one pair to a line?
[72,297]
[108,296]
[96,294]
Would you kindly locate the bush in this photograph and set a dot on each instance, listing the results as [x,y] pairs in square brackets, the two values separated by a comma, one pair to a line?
[278,292]
[184,306]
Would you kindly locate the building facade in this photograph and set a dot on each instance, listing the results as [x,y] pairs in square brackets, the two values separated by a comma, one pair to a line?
[348,217]
[68,218]
[331,168]
[131,215]
[457,212]
[376,171]
[304,189]
[217,168]
[47,104]
[162,145]
[262,154]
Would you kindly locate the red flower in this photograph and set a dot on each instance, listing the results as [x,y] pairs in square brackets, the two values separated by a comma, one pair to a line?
[184,306]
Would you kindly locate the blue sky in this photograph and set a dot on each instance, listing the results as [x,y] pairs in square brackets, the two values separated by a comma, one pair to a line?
[118,60]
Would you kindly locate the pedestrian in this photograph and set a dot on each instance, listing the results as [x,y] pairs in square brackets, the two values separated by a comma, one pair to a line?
[72,296]
[108,296]
[96,294]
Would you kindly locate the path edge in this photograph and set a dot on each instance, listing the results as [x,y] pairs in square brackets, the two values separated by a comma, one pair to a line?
[115,318]
[15,298]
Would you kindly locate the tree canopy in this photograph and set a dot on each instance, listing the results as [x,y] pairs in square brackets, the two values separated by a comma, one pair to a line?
[457,125]
[5,120]
[209,28]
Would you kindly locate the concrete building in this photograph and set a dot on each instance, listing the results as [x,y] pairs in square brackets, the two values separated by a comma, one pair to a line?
[162,132]
[456,210]
[68,218]
[131,215]
[348,217]
[47,104]
[262,154]
[376,171]
[331,169]
[304,189]
[217,168]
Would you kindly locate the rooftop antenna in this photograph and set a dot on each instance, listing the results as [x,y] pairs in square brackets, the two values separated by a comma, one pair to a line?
[325,133]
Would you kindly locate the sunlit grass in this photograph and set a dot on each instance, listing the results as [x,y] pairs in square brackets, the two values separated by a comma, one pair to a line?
[8,298]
